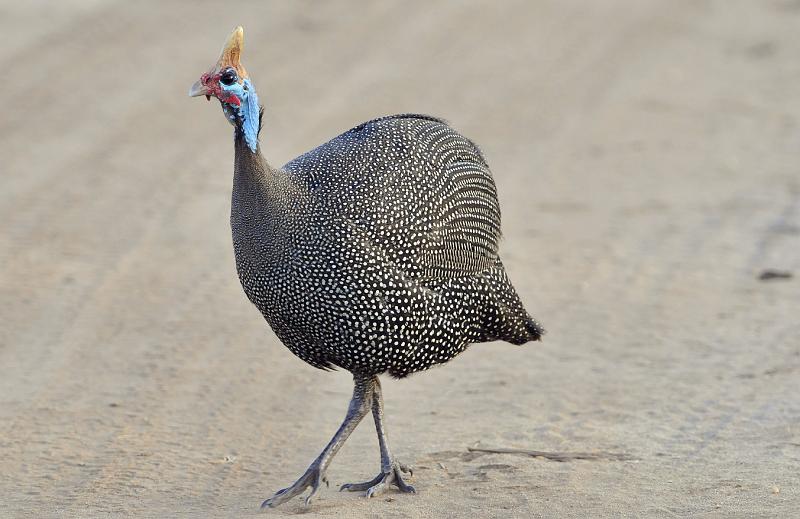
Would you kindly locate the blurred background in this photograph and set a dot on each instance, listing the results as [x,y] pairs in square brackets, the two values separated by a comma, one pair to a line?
[646,157]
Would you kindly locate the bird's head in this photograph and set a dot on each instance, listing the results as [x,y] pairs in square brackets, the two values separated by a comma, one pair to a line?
[228,81]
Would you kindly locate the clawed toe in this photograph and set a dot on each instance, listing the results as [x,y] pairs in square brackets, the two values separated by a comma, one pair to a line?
[312,478]
[382,481]
[360,487]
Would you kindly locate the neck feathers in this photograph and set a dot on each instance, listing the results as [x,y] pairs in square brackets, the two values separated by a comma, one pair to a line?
[263,203]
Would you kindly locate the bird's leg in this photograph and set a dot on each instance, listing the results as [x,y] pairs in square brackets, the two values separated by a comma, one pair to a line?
[315,474]
[391,469]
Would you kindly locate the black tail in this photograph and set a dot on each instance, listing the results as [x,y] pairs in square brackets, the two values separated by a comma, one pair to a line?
[505,318]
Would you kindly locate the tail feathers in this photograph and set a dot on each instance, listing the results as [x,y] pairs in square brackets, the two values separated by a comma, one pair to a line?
[505,319]
[533,332]
[515,329]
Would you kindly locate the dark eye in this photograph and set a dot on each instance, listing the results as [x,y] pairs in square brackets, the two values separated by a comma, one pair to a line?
[228,77]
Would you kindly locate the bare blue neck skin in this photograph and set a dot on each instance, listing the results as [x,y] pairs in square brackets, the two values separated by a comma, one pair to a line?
[246,115]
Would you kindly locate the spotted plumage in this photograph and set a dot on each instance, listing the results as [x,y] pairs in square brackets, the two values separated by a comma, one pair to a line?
[376,252]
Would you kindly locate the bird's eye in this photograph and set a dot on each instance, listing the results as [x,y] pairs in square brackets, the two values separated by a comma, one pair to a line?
[228,77]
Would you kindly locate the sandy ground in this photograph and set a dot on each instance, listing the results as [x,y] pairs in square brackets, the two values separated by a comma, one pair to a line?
[646,156]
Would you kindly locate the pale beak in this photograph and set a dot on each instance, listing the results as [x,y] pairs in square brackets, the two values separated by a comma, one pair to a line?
[199,89]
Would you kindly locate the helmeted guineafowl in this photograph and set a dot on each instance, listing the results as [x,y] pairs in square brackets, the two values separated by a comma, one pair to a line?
[375,252]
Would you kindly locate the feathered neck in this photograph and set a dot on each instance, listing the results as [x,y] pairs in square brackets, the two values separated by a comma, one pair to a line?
[261,202]
[248,161]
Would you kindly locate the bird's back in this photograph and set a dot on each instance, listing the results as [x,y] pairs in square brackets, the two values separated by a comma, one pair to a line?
[413,187]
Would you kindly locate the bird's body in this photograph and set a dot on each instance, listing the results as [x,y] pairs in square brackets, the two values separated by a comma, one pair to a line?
[376,252]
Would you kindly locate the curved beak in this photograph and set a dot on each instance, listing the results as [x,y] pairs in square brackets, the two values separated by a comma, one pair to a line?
[199,89]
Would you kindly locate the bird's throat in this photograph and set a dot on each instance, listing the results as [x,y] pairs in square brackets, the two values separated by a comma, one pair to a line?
[244,114]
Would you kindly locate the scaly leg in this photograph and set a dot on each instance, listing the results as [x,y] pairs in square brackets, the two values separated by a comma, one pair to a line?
[315,474]
[391,469]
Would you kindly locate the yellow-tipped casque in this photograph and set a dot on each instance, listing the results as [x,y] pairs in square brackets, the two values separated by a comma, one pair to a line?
[229,57]
[231,54]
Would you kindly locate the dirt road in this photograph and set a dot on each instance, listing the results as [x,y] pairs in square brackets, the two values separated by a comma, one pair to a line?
[646,156]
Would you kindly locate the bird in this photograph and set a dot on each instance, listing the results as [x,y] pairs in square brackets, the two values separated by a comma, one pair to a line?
[375,253]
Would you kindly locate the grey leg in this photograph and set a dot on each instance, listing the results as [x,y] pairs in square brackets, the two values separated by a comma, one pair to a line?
[391,469]
[315,474]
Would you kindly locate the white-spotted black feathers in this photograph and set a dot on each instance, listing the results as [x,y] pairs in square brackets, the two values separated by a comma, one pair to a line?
[377,251]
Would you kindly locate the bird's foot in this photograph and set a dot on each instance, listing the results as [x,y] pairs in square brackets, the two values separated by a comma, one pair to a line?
[313,477]
[392,476]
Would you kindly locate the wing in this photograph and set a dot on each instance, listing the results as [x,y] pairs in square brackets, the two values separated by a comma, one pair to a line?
[412,187]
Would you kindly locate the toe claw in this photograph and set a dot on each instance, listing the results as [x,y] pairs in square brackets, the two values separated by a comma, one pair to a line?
[351,487]
[384,480]
[311,478]
[376,490]
[408,489]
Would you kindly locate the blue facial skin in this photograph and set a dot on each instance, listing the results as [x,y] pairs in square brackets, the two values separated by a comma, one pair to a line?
[247,112]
